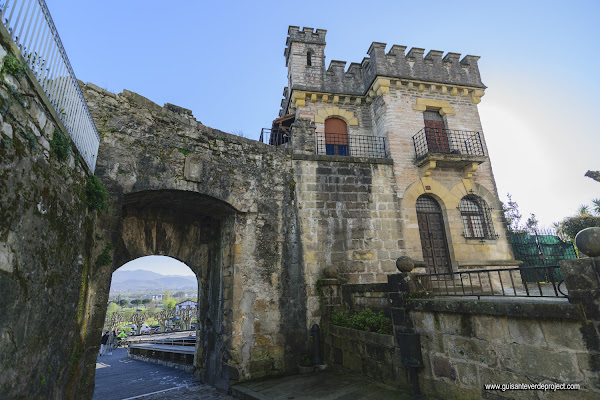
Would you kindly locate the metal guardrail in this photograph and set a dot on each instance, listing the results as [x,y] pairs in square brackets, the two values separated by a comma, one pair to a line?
[352,145]
[434,140]
[276,137]
[535,281]
[31,27]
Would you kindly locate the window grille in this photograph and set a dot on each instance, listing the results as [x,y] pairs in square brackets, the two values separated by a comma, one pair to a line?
[476,218]
[428,204]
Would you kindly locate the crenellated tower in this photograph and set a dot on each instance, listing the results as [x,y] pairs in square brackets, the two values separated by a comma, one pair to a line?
[409,120]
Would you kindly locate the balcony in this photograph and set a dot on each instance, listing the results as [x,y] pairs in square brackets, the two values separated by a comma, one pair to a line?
[448,148]
[276,137]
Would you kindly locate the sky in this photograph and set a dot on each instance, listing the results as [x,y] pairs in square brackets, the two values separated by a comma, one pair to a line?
[224,61]
[160,264]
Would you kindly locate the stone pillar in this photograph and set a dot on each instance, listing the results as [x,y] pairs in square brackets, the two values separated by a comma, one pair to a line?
[330,290]
[582,279]
[303,136]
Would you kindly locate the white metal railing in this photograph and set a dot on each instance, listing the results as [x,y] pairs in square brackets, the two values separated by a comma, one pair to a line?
[31,27]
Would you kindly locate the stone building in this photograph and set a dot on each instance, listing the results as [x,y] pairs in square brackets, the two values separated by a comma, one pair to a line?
[411,121]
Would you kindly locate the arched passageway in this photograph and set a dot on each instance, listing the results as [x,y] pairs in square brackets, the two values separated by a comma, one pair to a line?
[198,231]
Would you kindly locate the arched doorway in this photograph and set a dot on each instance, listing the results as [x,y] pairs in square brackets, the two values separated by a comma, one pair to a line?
[197,230]
[433,235]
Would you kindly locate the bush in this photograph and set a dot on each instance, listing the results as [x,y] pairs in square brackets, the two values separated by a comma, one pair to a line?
[366,320]
[571,226]
[60,145]
[13,66]
[97,196]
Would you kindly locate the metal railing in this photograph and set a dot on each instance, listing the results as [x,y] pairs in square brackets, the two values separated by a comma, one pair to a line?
[352,145]
[31,27]
[434,140]
[276,137]
[536,281]
[190,341]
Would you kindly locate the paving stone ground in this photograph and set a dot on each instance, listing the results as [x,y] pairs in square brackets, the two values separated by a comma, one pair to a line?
[332,384]
[118,378]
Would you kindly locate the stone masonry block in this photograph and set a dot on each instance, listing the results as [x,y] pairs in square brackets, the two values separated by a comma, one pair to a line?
[525,331]
[563,334]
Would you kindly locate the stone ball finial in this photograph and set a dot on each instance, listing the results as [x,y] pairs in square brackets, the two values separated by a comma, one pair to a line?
[405,264]
[331,272]
[588,241]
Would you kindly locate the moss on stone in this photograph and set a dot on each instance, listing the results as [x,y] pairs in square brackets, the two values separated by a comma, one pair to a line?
[96,194]
[60,145]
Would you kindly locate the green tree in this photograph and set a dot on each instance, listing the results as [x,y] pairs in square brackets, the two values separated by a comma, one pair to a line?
[584,218]
[135,302]
[168,301]
[512,215]
[123,302]
[146,301]
[112,308]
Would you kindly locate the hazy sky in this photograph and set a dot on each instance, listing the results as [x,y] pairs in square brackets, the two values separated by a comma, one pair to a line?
[159,264]
[224,61]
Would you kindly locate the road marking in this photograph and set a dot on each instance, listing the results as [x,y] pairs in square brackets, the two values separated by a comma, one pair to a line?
[148,394]
[101,365]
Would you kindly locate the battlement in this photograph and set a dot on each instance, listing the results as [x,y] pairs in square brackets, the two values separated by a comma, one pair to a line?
[434,67]
[306,35]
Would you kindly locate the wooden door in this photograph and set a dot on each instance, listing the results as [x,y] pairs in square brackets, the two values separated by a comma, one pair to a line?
[435,132]
[433,236]
[336,137]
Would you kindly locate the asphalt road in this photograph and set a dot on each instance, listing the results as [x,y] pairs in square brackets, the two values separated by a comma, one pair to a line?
[118,377]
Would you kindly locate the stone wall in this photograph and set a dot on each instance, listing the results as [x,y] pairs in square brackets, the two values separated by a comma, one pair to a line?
[46,243]
[368,353]
[348,220]
[225,206]
[467,344]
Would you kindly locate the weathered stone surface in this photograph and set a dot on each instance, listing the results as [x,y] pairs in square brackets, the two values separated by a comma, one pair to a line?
[405,264]
[47,251]
[443,368]
[588,241]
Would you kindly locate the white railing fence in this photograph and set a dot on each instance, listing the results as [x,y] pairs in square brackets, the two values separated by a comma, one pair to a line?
[31,27]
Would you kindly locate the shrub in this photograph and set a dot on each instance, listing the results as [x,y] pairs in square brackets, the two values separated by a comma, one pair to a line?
[13,66]
[571,226]
[365,320]
[60,145]
[97,196]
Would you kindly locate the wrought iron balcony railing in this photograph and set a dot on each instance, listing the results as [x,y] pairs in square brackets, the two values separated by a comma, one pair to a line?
[30,25]
[352,145]
[447,141]
[276,137]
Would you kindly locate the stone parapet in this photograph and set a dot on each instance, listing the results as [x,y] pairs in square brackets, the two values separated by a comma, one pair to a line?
[359,77]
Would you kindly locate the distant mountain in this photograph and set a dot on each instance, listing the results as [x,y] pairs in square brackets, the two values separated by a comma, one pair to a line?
[147,280]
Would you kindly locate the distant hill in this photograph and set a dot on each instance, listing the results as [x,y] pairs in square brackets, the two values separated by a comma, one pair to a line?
[147,280]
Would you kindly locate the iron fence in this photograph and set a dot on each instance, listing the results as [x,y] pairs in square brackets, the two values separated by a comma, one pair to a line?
[276,137]
[352,145]
[541,248]
[434,140]
[543,281]
[31,27]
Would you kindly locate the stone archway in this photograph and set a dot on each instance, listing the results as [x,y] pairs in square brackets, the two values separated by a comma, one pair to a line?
[197,230]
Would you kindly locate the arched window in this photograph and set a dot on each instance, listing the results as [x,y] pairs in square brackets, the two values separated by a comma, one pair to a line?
[476,219]
[336,137]
[309,58]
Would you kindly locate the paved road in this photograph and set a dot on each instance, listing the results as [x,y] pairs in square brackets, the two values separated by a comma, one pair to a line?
[118,377]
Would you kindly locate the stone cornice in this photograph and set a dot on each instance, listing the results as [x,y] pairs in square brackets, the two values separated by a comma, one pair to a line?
[381,86]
